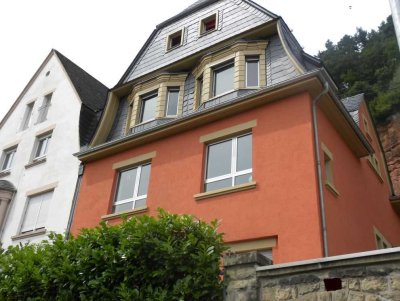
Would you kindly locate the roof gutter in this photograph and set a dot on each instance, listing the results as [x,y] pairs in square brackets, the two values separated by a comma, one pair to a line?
[319,169]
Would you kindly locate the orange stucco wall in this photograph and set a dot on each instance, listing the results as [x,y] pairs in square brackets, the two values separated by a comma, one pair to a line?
[363,200]
[284,204]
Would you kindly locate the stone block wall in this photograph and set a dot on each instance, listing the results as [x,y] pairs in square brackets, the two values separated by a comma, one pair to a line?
[367,276]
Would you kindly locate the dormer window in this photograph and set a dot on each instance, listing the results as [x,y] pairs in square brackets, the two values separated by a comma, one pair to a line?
[208,24]
[175,40]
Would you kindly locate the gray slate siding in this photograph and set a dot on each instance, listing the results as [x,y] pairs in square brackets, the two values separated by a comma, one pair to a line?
[119,126]
[235,17]
[279,65]
[188,96]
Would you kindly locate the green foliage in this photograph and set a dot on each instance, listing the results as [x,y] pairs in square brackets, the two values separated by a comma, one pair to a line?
[366,63]
[172,257]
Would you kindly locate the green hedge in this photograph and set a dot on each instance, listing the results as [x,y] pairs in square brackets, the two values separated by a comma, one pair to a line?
[171,257]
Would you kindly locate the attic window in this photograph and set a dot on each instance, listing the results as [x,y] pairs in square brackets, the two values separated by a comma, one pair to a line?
[208,24]
[174,40]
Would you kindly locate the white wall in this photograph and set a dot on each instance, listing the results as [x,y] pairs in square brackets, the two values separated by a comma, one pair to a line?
[60,166]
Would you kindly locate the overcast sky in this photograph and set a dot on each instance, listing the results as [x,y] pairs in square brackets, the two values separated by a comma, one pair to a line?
[103,36]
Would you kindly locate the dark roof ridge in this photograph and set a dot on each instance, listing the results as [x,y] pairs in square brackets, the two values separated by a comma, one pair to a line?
[91,91]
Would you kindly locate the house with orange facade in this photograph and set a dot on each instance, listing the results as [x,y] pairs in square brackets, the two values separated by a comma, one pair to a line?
[222,115]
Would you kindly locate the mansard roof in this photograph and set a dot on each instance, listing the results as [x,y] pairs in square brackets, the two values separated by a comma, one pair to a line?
[234,17]
[352,105]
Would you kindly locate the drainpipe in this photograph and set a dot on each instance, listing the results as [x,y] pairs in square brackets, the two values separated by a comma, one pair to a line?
[319,169]
[74,200]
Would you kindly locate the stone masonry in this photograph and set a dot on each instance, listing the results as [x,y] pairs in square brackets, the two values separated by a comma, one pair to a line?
[367,276]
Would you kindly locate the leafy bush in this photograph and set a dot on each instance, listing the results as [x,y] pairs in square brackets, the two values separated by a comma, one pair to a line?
[171,257]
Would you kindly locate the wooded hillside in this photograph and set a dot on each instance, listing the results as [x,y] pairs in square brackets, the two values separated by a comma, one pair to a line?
[369,63]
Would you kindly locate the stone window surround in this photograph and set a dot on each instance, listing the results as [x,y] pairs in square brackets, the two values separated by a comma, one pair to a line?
[375,166]
[41,134]
[7,149]
[377,233]
[28,194]
[366,127]
[329,183]
[161,84]
[202,32]
[169,39]
[237,53]
[223,134]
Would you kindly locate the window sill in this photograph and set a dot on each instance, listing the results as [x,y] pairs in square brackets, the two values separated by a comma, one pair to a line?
[5,173]
[36,162]
[332,189]
[29,234]
[220,95]
[378,174]
[124,213]
[222,191]
[205,33]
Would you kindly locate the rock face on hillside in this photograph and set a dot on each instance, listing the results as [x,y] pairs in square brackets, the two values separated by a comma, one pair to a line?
[389,133]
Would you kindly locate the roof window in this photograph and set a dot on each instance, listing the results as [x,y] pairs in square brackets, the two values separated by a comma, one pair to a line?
[174,40]
[208,24]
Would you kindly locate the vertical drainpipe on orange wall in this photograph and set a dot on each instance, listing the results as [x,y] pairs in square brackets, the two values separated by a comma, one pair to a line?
[319,169]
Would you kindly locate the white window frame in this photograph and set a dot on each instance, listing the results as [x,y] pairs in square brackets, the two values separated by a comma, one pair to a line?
[143,99]
[135,197]
[233,172]
[27,116]
[45,138]
[8,152]
[38,214]
[172,89]
[253,59]
[215,70]
[44,108]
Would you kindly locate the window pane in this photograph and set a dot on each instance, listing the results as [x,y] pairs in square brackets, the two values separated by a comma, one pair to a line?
[140,203]
[252,72]
[8,160]
[244,153]
[243,179]
[44,108]
[144,179]
[27,116]
[172,106]
[31,214]
[148,108]
[44,209]
[126,184]
[219,159]
[123,207]
[42,147]
[219,184]
[223,79]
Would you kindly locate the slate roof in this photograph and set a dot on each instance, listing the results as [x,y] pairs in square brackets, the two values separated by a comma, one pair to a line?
[352,105]
[7,186]
[93,95]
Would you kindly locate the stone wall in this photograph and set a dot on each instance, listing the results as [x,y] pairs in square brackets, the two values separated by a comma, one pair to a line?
[368,276]
[389,133]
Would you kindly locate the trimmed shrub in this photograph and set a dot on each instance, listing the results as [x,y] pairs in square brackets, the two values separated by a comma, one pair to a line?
[171,257]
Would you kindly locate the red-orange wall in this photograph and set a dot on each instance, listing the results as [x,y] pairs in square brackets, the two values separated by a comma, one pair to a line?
[283,205]
[363,200]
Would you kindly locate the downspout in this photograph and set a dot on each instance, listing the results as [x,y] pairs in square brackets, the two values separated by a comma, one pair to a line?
[319,169]
[74,201]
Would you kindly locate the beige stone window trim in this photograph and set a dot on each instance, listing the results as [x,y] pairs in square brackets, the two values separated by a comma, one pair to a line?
[366,127]
[375,166]
[328,175]
[45,131]
[252,245]
[380,240]
[33,233]
[237,53]
[42,189]
[121,214]
[170,36]
[227,132]
[11,145]
[161,85]
[134,161]
[226,190]
[202,32]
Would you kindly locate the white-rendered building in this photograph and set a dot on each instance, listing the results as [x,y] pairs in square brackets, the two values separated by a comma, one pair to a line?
[38,137]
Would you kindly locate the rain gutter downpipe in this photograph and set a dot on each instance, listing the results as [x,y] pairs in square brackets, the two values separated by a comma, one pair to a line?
[319,169]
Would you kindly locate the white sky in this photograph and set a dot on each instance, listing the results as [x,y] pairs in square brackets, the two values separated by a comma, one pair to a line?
[103,36]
